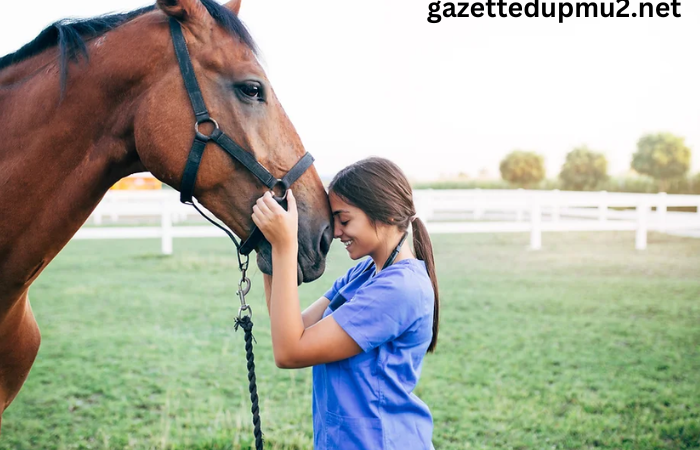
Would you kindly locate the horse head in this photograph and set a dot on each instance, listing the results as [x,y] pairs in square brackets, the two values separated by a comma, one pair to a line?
[240,98]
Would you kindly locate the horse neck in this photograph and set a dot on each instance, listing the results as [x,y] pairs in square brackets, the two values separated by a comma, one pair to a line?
[58,156]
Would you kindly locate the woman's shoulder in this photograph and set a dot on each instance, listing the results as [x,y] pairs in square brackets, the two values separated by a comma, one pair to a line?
[408,276]
[359,268]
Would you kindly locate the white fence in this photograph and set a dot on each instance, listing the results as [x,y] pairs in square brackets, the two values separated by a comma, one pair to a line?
[443,211]
[506,211]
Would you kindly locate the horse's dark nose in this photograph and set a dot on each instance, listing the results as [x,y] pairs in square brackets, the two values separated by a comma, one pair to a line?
[326,238]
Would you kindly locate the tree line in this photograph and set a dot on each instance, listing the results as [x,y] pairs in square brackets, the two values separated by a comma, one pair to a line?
[663,157]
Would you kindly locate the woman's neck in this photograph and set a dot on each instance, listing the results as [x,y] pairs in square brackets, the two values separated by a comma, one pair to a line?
[387,246]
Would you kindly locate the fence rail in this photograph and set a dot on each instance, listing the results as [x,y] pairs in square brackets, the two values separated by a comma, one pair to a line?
[443,211]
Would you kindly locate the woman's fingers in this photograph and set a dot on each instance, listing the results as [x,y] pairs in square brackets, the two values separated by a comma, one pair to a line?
[278,226]
[272,204]
[263,206]
[291,201]
[257,219]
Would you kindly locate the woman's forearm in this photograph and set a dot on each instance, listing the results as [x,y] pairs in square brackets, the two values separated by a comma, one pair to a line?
[310,315]
[314,312]
[267,283]
[286,323]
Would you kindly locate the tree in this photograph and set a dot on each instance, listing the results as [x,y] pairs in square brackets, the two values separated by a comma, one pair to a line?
[583,170]
[662,156]
[524,169]
[695,185]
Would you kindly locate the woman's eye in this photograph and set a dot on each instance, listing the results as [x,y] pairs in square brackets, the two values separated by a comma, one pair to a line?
[251,90]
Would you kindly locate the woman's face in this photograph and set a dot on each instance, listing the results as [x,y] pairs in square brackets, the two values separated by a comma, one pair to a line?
[353,228]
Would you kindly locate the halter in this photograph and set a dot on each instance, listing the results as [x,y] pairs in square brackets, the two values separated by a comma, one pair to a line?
[217,136]
[189,178]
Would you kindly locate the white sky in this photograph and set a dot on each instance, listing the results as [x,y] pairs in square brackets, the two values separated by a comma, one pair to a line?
[373,77]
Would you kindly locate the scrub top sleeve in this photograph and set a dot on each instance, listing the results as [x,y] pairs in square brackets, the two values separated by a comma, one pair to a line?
[379,312]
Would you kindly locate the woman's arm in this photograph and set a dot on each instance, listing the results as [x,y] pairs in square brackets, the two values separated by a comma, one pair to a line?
[310,315]
[293,344]
[314,312]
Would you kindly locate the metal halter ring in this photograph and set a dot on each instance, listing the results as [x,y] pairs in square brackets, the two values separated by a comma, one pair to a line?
[283,185]
[201,136]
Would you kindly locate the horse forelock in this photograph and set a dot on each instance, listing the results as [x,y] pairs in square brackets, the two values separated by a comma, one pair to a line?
[69,35]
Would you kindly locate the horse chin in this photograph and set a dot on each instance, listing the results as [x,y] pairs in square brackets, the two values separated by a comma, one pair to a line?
[264,261]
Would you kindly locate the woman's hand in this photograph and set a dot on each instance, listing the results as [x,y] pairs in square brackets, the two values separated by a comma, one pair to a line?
[279,227]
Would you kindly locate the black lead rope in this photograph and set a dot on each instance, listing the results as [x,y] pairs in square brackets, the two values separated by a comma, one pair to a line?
[189,178]
[247,325]
[245,320]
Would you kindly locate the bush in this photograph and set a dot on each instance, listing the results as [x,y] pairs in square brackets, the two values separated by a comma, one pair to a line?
[523,169]
[662,156]
[695,184]
[584,170]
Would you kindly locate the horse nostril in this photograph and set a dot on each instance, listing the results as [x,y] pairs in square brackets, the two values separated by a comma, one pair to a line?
[326,239]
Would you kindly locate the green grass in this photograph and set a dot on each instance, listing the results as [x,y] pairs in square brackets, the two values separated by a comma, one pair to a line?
[584,344]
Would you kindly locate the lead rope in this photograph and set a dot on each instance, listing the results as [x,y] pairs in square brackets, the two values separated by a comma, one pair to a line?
[245,320]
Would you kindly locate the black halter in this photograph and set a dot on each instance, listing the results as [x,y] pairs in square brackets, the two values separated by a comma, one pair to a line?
[201,115]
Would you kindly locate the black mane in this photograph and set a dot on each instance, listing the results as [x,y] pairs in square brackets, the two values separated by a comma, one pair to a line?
[70,35]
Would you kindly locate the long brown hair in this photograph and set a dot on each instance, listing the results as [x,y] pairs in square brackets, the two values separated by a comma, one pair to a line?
[381,190]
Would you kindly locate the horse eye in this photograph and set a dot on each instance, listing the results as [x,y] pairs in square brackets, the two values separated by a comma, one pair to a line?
[251,90]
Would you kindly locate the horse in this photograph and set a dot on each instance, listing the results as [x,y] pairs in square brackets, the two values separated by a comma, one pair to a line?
[91,101]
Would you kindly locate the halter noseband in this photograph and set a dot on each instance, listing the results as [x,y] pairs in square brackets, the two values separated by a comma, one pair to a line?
[201,115]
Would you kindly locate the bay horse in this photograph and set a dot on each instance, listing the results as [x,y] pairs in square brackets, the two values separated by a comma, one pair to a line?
[89,102]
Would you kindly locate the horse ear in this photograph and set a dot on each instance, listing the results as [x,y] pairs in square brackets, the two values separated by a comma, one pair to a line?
[234,6]
[181,10]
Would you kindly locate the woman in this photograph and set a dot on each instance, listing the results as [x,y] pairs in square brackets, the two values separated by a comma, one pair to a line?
[366,337]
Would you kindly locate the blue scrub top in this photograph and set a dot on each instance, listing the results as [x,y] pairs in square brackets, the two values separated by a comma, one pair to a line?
[367,401]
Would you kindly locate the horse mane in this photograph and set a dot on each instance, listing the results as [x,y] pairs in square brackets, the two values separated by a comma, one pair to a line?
[70,35]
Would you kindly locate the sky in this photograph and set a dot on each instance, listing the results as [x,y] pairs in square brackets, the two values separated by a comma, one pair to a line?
[374,77]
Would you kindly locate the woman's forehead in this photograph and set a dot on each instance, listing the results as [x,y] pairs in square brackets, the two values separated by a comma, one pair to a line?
[339,206]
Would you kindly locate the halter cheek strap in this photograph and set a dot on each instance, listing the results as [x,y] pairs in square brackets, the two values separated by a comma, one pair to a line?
[189,176]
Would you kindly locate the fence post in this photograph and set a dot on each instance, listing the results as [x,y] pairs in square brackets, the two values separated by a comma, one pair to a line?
[603,206]
[642,225]
[166,224]
[536,221]
[661,210]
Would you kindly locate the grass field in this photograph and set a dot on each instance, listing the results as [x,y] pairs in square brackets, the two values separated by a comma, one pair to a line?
[584,344]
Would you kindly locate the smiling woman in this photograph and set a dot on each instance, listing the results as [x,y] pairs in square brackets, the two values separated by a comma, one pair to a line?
[367,336]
